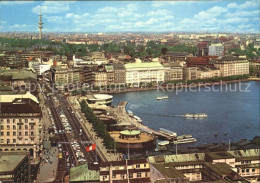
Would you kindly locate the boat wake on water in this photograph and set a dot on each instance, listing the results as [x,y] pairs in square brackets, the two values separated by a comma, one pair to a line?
[192,116]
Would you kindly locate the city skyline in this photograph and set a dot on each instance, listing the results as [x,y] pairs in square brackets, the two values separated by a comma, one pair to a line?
[134,16]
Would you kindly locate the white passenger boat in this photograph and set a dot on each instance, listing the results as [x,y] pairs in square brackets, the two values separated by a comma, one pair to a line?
[196,115]
[162,98]
[183,139]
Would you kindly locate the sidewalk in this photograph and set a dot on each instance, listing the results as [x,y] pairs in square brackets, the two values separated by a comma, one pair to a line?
[49,163]
[47,170]
[92,135]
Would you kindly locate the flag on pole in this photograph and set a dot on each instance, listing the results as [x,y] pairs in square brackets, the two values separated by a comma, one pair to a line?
[91,148]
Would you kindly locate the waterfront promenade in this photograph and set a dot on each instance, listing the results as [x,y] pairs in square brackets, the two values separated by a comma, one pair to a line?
[101,149]
[120,111]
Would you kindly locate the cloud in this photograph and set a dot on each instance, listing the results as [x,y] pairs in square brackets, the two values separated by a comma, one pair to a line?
[247,4]
[75,16]
[53,7]
[56,19]
[160,12]
[2,22]
[157,4]
[20,27]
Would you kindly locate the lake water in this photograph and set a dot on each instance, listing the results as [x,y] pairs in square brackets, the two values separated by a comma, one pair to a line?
[234,112]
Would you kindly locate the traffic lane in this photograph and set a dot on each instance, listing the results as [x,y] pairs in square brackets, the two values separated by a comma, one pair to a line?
[76,127]
[62,137]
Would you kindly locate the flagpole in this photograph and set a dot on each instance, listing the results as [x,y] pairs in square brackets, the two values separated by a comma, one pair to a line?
[96,154]
[127,173]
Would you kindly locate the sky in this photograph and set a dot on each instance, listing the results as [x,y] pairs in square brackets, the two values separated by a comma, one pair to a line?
[237,16]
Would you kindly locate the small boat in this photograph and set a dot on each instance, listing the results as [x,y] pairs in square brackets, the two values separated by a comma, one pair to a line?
[196,115]
[139,120]
[162,98]
[163,143]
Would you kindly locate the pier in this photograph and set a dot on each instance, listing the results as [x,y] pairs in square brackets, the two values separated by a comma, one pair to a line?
[120,110]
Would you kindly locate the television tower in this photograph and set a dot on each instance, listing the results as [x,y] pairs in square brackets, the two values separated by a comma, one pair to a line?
[40,25]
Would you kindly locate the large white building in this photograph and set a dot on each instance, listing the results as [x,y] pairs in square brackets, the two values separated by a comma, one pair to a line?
[232,66]
[216,49]
[144,72]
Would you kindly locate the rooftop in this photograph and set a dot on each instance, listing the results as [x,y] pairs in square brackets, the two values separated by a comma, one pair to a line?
[130,133]
[9,161]
[168,171]
[219,155]
[11,98]
[143,137]
[143,65]
[178,158]
[82,173]
[230,58]
[17,74]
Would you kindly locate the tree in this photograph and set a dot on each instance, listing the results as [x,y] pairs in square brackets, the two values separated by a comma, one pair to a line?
[164,51]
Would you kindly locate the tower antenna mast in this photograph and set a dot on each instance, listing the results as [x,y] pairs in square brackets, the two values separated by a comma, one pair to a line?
[40,27]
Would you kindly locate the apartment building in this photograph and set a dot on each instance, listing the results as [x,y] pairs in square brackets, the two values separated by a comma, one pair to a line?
[63,76]
[173,71]
[99,78]
[144,72]
[216,49]
[208,73]
[21,123]
[255,66]
[124,171]
[231,66]
[17,77]
[247,163]
[119,73]
[110,74]
[15,167]
[190,73]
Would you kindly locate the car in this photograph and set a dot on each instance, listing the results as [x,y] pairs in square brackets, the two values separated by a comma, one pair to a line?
[60,149]
[59,145]
[60,131]
[81,160]
[60,155]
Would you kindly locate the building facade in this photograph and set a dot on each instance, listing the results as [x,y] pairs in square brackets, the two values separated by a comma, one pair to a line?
[208,73]
[224,166]
[232,66]
[99,78]
[21,123]
[119,73]
[216,50]
[121,171]
[190,73]
[141,72]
